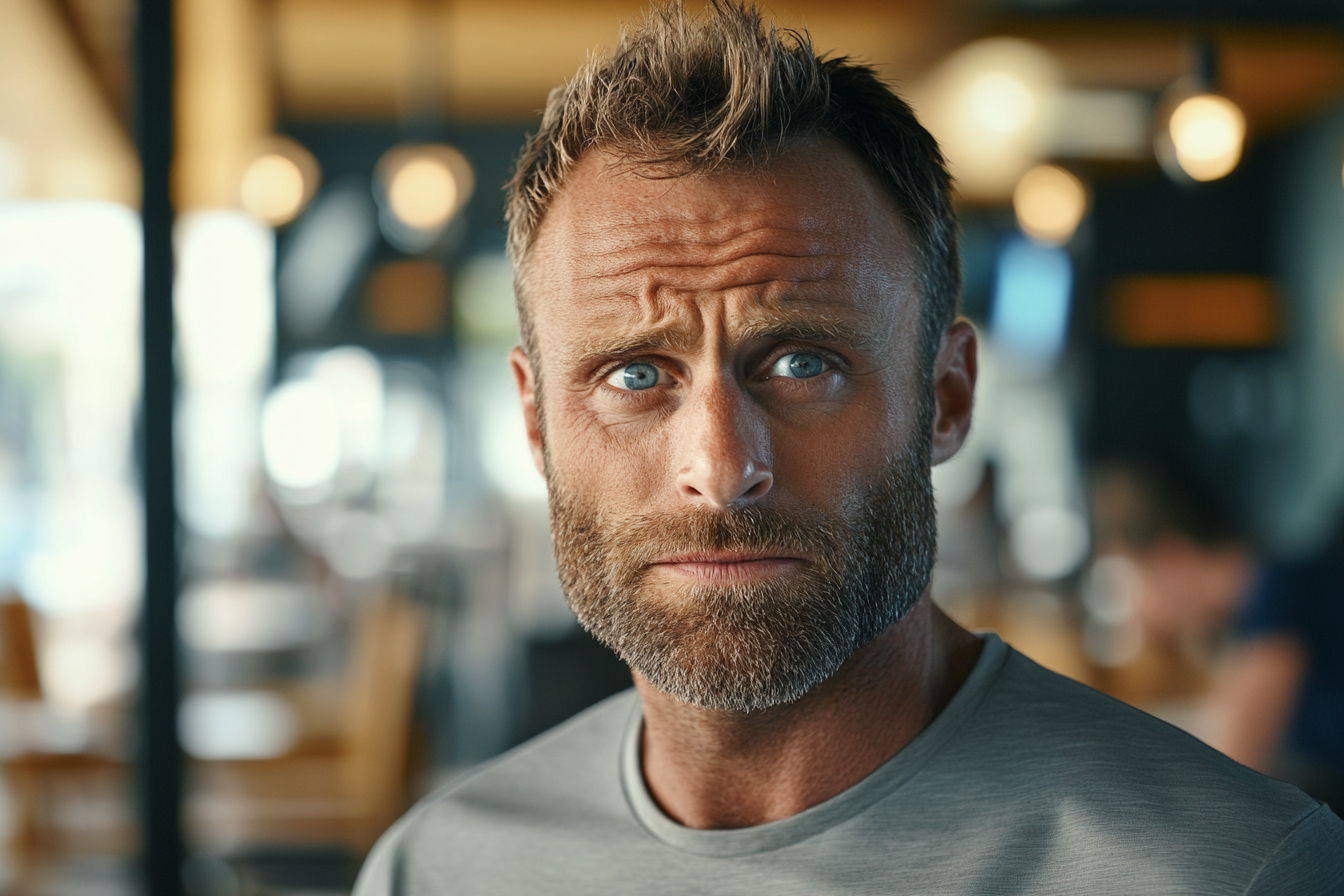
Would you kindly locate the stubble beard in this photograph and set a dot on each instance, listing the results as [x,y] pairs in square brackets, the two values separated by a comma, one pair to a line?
[745,647]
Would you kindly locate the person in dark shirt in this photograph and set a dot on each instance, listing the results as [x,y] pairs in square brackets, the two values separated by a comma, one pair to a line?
[1278,702]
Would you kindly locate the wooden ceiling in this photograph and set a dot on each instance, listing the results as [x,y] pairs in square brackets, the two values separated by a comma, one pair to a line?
[496,59]
[245,65]
[486,59]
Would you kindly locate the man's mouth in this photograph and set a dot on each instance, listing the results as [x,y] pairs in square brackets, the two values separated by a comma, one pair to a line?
[727,566]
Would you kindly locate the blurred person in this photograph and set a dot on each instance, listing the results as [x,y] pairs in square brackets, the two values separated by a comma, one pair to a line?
[1277,703]
[737,275]
[1191,563]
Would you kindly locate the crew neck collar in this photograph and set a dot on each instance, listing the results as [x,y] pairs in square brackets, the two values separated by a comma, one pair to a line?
[823,816]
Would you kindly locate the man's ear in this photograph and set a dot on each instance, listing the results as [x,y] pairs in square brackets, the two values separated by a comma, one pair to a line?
[527,394]
[954,373]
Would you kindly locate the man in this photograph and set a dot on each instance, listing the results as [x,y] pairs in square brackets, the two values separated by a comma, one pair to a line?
[737,279]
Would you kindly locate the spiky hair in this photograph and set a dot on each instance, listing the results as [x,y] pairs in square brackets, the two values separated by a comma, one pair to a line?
[693,94]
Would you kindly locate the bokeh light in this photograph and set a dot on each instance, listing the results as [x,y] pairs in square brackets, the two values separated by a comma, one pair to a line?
[423,193]
[992,105]
[1002,102]
[1050,203]
[301,436]
[1204,136]
[421,188]
[278,182]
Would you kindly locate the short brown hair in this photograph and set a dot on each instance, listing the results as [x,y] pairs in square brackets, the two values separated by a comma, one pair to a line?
[698,94]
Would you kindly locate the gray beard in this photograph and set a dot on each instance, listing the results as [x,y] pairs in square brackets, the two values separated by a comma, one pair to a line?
[748,647]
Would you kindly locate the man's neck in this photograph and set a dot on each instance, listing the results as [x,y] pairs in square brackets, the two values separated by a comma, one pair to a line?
[715,769]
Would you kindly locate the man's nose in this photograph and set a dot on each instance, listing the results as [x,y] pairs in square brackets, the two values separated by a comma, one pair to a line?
[723,446]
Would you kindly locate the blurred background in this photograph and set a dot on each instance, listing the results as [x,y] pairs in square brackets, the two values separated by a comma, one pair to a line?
[1153,213]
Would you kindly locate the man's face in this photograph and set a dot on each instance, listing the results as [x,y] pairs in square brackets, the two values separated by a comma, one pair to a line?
[728,404]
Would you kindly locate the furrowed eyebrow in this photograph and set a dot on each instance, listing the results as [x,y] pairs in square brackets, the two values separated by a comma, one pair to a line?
[804,330]
[674,339]
[677,339]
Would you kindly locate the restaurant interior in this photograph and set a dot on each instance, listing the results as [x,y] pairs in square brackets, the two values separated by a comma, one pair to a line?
[256,604]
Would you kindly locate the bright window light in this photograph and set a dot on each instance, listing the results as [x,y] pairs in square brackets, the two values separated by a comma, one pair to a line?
[69,323]
[83,668]
[354,379]
[1048,542]
[1030,313]
[301,436]
[216,432]
[13,170]
[237,725]
[225,300]
[411,479]
[505,452]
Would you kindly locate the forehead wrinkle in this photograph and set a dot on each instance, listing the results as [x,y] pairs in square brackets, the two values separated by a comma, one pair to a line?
[654,285]
[705,244]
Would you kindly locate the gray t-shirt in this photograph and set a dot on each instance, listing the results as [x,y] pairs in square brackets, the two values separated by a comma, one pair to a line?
[1026,783]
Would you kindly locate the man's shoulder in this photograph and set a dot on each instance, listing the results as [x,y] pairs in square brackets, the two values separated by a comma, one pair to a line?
[1047,766]
[1077,742]
[576,757]
[555,785]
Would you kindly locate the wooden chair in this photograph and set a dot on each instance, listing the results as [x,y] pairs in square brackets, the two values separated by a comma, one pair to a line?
[346,790]
[61,800]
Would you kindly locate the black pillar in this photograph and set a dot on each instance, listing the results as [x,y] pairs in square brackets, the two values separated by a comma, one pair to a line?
[159,755]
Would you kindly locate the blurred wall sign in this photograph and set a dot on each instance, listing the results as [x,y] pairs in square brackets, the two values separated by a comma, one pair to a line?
[1103,124]
[406,298]
[1195,311]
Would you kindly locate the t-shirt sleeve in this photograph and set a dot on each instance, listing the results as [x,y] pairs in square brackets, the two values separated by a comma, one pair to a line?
[378,876]
[1309,861]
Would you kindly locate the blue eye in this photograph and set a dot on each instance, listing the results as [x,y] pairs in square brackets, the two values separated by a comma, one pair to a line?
[635,377]
[798,366]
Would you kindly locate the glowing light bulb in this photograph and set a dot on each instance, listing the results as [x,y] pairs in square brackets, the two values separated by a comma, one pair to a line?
[1002,103]
[420,189]
[1049,203]
[278,182]
[273,188]
[993,106]
[1206,133]
[423,193]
